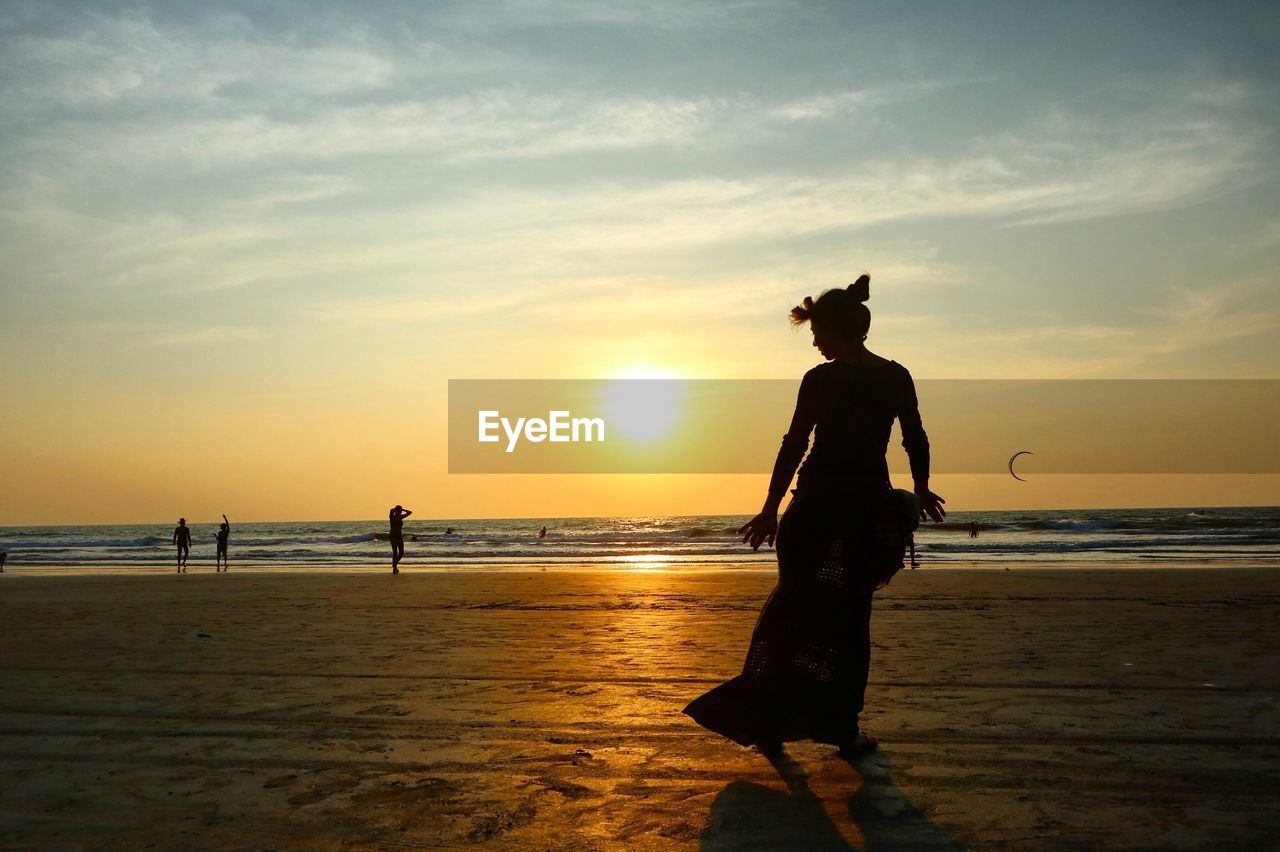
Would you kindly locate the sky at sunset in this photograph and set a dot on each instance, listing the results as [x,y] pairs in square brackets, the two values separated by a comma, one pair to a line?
[246,248]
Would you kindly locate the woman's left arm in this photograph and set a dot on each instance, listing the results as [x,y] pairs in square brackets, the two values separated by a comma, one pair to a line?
[916,443]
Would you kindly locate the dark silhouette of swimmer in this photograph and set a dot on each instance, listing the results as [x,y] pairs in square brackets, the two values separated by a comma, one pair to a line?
[449,531]
[3,557]
[224,532]
[182,538]
[543,534]
[397,516]
[973,529]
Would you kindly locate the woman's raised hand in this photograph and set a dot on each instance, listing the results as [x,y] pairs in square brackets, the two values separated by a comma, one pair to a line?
[763,527]
[931,505]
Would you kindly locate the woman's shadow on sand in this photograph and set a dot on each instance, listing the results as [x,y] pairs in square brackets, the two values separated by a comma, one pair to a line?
[876,816]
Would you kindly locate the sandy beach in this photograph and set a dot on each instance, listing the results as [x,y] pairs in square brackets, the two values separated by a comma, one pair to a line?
[1016,710]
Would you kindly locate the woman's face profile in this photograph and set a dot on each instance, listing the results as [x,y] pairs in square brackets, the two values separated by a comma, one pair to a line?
[824,341]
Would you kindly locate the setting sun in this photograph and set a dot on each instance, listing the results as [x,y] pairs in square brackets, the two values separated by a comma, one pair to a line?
[642,410]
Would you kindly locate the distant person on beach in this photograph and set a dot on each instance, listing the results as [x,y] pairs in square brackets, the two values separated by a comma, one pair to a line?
[543,534]
[3,557]
[182,538]
[224,533]
[397,516]
[843,536]
[973,529]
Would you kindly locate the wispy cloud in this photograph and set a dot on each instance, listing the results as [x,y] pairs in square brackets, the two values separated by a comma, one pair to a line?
[1021,182]
[258,232]
[1170,337]
[520,15]
[839,104]
[1261,238]
[116,61]
[1193,317]
[198,336]
[475,126]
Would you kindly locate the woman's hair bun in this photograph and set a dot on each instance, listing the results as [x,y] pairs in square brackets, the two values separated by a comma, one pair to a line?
[860,289]
[802,312]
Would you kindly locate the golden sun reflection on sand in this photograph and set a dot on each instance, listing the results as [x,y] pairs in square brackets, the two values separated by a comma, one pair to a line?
[654,563]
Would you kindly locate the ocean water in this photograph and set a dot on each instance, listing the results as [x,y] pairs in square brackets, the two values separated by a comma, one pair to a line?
[1095,536]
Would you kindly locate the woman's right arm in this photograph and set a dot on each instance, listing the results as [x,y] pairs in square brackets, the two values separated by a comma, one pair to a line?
[794,443]
[764,526]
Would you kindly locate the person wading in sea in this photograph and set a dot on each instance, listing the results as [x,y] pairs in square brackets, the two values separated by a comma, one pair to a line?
[182,538]
[224,533]
[397,516]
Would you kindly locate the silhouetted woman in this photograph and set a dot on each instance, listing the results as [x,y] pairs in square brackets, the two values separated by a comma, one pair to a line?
[841,537]
[397,516]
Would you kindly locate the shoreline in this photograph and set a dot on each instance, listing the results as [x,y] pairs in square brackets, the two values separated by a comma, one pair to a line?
[692,568]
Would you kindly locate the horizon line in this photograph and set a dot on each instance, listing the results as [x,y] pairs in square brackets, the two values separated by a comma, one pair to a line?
[407,521]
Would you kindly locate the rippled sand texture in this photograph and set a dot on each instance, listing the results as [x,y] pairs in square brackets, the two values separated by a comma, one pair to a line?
[1027,710]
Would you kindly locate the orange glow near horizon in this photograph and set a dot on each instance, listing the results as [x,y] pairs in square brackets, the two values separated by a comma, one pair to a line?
[556,496]
[247,254]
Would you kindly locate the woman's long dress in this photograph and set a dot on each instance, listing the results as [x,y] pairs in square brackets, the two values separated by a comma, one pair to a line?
[806,669]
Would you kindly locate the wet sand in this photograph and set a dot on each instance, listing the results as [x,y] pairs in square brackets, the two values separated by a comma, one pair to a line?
[1016,710]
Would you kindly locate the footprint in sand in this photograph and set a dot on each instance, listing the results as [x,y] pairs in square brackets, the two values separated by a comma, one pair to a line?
[279,781]
[382,710]
[566,788]
[319,792]
[488,826]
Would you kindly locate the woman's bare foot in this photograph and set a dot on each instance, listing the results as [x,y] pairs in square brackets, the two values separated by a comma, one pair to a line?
[769,748]
[858,746]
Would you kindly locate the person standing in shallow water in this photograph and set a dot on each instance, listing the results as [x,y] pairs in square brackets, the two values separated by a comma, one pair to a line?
[224,533]
[397,516]
[806,669]
[182,538]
